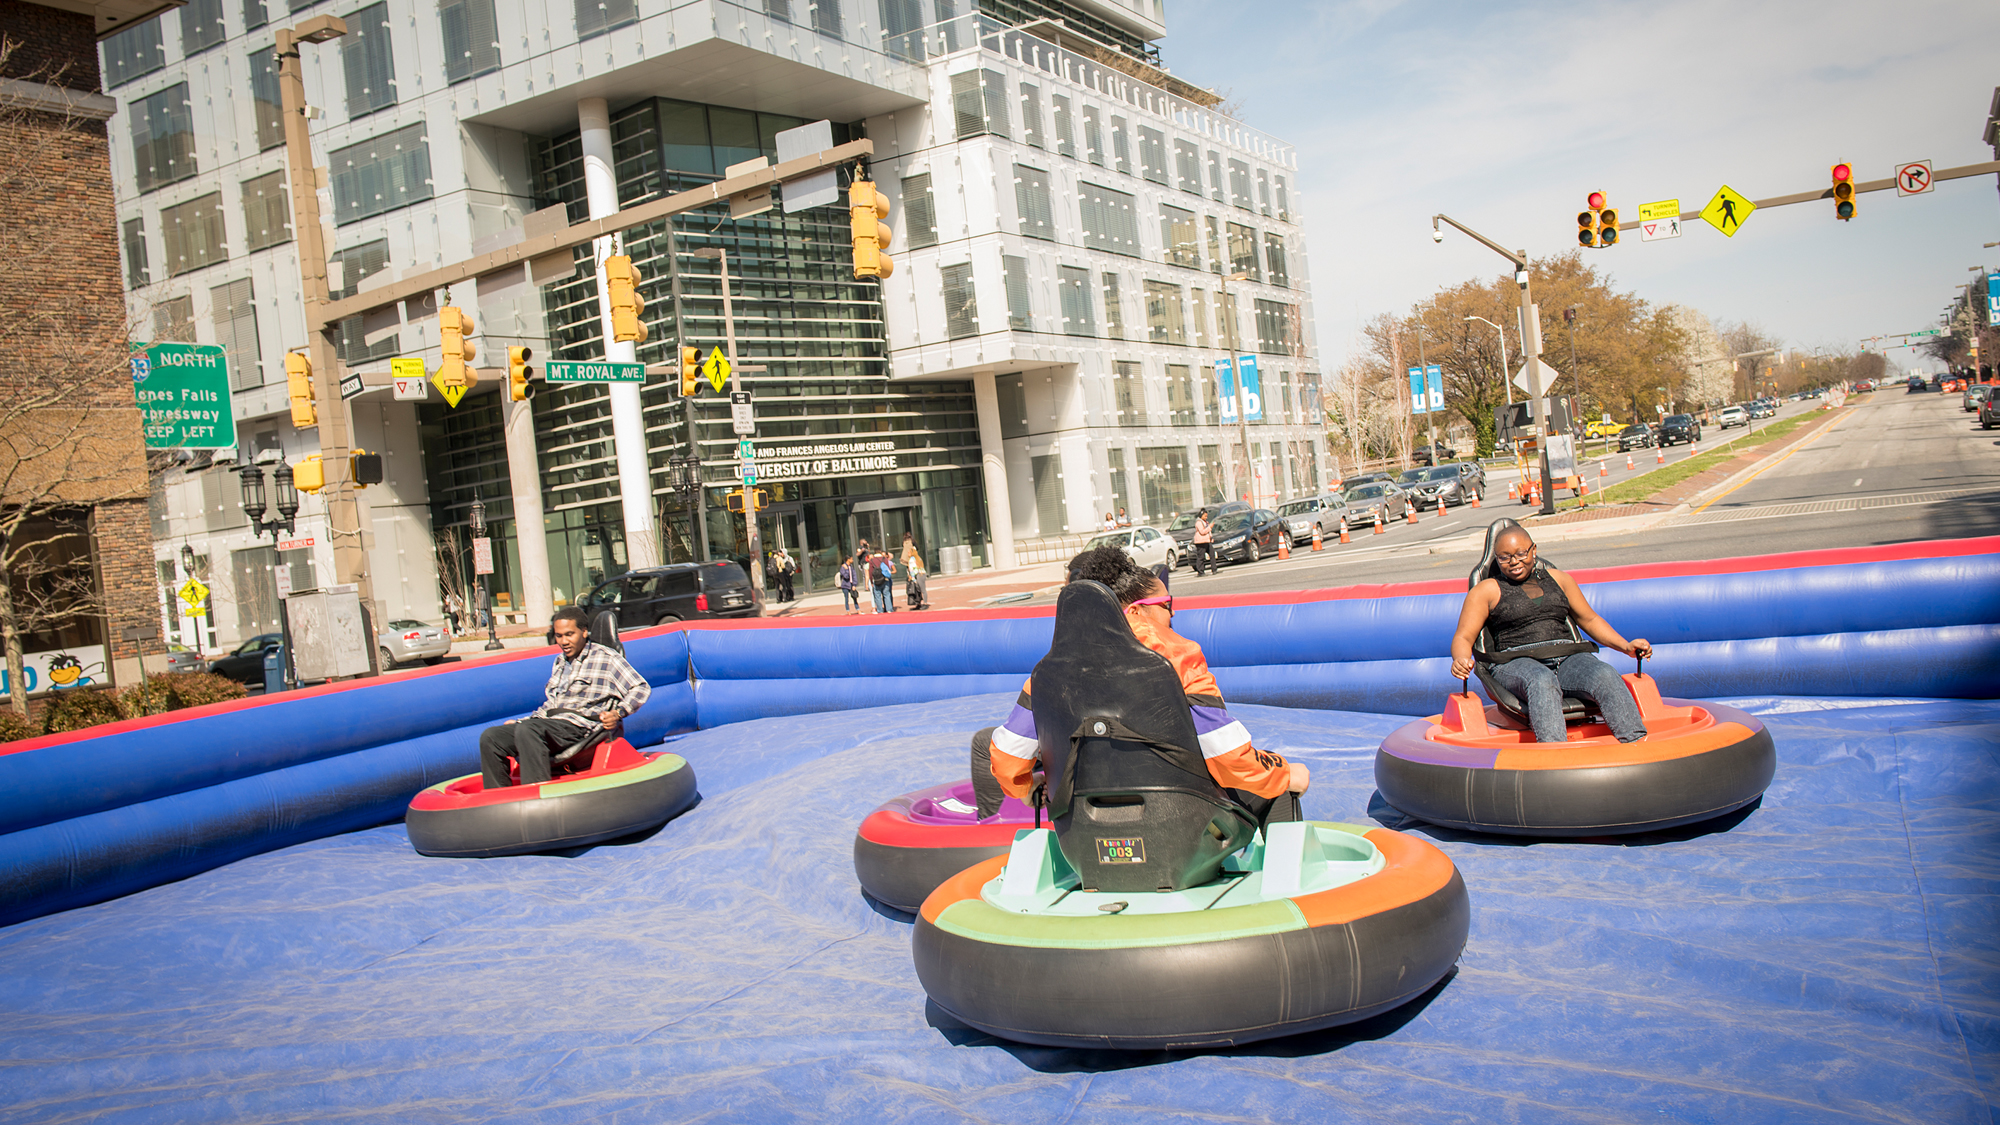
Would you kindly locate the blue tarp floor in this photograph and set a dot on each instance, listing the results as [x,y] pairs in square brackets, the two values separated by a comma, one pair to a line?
[1830,956]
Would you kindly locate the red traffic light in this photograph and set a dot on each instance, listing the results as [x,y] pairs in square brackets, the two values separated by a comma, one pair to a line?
[1842,173]
[1596,200]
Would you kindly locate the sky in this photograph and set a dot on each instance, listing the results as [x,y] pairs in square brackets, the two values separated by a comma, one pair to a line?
[1506,115]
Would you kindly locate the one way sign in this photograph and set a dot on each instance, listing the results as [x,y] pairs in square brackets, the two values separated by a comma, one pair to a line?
[1651,230]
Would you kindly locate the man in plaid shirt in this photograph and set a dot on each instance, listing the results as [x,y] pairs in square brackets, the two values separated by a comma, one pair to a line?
[589,685]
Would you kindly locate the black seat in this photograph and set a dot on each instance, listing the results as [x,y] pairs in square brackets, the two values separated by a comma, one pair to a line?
[603,631]
[1485,655]
[1131,798]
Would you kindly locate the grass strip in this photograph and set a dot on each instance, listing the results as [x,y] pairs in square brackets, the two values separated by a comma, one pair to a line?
[1646,485]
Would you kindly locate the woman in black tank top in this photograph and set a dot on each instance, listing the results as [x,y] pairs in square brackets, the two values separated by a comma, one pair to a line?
[1530,609]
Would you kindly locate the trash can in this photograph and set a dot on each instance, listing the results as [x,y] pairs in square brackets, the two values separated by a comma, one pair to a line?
[274,669]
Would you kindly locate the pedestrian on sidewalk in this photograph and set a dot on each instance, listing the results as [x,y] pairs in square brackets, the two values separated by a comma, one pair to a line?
[1204,544]
[1123,519]
[786,567]
[919,583]
[882,582]
[850,594]
[1110,522]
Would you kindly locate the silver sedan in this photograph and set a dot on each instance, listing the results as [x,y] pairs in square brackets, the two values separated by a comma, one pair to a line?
[406,641]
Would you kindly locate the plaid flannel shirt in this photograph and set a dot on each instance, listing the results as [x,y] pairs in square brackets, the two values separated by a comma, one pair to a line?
[598,680]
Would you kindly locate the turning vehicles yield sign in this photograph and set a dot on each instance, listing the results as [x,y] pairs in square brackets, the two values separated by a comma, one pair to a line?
[1914,178]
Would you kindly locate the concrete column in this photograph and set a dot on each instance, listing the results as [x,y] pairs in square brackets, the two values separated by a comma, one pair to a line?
[993,464]
[531,536]
[628,426]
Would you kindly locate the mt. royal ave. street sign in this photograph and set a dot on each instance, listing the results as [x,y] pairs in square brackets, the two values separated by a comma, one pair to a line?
[183,396]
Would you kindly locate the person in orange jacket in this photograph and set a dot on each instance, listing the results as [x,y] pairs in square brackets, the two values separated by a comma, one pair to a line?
[1004,757]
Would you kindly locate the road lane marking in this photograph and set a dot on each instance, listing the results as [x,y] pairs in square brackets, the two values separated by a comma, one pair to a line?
[1857,482]
[1760,472]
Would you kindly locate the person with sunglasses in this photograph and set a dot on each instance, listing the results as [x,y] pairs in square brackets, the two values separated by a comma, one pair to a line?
[1528,604]
[1003,757]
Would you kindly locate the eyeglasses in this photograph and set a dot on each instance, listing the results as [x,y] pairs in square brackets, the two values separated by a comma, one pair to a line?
[1164,599]
[1518,556]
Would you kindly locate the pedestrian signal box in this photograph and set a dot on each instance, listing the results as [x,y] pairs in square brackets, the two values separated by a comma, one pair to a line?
[761,496]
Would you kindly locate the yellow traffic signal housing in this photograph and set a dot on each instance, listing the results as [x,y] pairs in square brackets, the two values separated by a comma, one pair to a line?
[866,209]
[364,468]
[309,474]
[299,384]
[1589,223]
[626,304]
[455,330]
[1843,191]
[690,371]
[761,499]
[1607,221]
[518,373]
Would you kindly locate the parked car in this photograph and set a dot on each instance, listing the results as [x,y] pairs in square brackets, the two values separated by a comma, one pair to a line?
[1916,385]
[1182,529]
[1145,545]
[1864,386]
[1431,455]
[1764,408]
[1364,501]
[245,663]
[1602,429]
[1638,435]
[1247,536]
[1733,416]
[408,641]
[1364,478]
[1455,484]
[1321,511]
[1989,413]
[181,658]
[1975,395]
[1678,428]
[659,595]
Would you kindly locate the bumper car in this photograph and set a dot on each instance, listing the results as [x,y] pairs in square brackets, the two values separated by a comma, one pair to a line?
[1161,910]
[911,844]
[602,788]
[1479,767]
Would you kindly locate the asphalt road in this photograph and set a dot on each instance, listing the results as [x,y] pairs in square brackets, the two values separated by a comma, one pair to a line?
[1895,467]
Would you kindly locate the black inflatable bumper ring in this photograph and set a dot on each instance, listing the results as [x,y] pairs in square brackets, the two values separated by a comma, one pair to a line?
[914,842]
[623,791]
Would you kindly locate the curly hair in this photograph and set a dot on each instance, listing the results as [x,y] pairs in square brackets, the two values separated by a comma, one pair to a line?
[1112,566]
[572,613]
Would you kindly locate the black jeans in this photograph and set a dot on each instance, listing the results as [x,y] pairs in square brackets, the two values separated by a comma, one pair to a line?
[1204,558]
[529,742]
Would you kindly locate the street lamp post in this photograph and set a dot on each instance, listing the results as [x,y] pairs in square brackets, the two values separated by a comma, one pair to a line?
[1225,309]
[1504,380]
[250,478]
[1531,348]
[750,537]
[485,597]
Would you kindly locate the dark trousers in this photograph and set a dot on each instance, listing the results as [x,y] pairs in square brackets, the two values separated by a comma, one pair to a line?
[529,742]
[784,585]
[1204,558]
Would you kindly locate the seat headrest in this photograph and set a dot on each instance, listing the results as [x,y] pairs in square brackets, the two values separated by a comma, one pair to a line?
[1486,568]
[604,630]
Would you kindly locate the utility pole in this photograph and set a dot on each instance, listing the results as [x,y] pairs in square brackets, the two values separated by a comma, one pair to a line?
[736,370]
[1531,344]
[1225,309]
[343,507]
[1423,366]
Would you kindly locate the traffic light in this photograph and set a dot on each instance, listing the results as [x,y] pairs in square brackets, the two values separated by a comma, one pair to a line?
[626,304]
[866,209]
[454,328]
[690,371]
[1843,192]
[762,499]
[1597,224]
[364,468]
[309,475]
[518,373]
[299,383]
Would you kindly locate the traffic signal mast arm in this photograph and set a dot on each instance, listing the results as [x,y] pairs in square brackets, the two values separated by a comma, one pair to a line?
[566,239]
[1986,168]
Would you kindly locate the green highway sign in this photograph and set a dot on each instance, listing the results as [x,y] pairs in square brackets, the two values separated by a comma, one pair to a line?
[1925,334]
[565,371]
[183,396]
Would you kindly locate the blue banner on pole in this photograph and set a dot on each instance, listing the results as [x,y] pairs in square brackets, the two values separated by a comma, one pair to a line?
[1419,402]
[1225,391]
[1434,380]
[1253,392]
[1993,300]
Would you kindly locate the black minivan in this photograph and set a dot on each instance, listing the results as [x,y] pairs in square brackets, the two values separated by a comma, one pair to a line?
[659,595]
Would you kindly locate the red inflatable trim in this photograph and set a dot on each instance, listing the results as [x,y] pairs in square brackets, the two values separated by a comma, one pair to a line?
[892,828]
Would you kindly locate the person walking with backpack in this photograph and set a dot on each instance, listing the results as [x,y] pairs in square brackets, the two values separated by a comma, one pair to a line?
[882,582]
[850,594]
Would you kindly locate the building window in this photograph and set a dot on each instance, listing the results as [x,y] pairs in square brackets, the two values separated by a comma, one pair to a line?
[1110,220]
[381,174]
[1114,309]
[1065,127]
[1074,282]
[1278,329]
[1228,335]
[1012,401]
[163,138]
[1031,115]
[1214,244]
[471,39]
[1164,315]
[368,61]
[1285,395]
[1114,460]
[1128,393]
[267,102]
[595,17]
[173,321]
[1213,490]
[254,15]
[1093,137]
[1019,315]
[234,308]
[979,103]
[194,234]
[1164,487]
[1284,201]
[1274,257]
[201,26]
[919,212]
[1263,193]
[1031,199]
[1180,394]
[351,267]
[267,212]
[1187,167]
[1200,318]
[825,16]
[1215,176]
[779,10]
[1179,238]
[1243,251]
[1049,507]
[136,271]
[1153,154]
[1121,151]
[961,304]
[138,50]
[1239,184]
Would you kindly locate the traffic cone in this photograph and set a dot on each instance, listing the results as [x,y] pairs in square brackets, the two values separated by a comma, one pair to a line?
[1410,514]
[1660,455]
[1343,530]
[1475,496]
[1285,544]
[1378,521]
[1628,462]
[1510,491]
[1601,470]
[1317,544]
[1441,512]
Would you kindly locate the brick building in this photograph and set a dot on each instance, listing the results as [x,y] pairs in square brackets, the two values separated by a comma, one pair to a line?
[74,529]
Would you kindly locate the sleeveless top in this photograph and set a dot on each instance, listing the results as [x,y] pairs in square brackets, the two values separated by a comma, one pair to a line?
[1533,611]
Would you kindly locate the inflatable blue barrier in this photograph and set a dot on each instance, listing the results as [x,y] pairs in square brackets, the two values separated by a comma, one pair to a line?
[94,815]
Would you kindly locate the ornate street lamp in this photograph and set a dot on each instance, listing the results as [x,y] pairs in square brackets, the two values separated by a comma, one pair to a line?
[485,599]
[187,560]
[251,477]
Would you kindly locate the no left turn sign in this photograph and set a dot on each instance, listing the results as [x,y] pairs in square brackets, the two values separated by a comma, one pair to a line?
[1914,178]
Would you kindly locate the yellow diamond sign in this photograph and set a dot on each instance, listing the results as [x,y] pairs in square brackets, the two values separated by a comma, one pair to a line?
[716,367]
[194,594]
[1727,211]
[451,394]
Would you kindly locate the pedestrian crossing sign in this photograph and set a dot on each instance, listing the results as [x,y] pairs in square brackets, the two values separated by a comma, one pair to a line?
[1728,210]
[716,367]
